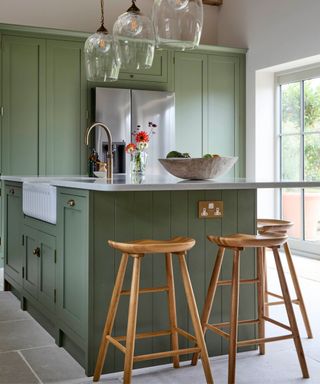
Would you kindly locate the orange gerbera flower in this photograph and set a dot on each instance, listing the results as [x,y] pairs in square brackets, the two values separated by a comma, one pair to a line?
[142,136]
[131,148]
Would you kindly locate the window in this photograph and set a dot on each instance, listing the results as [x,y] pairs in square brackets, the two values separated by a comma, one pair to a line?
[299,151]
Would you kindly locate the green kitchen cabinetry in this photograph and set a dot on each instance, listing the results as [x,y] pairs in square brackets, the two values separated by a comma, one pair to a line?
[62,148]
[23,90]
[191,102]
[13,245]
[209,91]
[73,261]
[44,106]
[39,277]
[157,73]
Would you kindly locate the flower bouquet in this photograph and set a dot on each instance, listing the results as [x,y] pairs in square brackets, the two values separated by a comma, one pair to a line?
[138,147]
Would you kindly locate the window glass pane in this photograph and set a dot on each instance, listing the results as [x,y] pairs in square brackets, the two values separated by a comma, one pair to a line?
[290,107]
[312,156]
[292,210]
[312,214]
[291,157]
[312,105]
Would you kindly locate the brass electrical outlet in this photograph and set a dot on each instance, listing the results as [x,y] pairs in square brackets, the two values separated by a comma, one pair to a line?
[210,209]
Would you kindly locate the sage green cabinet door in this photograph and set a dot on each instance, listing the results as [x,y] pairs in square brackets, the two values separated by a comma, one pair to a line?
[31,261]
[62,149]
[73,270]
[39,266]
[47,270]
[222,134]
[13,234]
[23,97]
[190,89]
[1,228]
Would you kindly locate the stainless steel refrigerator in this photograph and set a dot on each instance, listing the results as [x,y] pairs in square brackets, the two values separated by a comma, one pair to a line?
[123,109]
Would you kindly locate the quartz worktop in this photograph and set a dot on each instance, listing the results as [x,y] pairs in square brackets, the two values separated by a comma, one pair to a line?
[163,182]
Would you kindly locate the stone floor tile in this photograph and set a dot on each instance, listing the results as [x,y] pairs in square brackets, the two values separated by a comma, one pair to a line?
[10,308]
[53,364]
[22,334]
[14,370]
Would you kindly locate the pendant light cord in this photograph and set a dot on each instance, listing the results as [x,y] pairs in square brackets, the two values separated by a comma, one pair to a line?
[102,27]
[102,12]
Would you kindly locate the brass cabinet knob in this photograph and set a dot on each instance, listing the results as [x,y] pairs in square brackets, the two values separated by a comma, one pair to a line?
[71,203]
[36,252]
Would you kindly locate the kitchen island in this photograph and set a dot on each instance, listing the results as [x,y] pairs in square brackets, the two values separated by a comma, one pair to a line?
[64,272]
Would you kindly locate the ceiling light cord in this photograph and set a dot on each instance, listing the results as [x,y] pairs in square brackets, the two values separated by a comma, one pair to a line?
[102,28]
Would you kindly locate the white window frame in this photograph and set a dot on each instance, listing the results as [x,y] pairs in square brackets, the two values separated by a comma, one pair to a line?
[299,247]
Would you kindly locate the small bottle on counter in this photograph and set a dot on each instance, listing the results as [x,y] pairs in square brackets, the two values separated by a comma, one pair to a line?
[93,163]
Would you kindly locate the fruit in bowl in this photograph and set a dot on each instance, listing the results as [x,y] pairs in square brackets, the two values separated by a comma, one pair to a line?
[206,167]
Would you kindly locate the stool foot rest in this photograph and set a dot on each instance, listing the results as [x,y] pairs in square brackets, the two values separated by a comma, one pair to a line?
[146,290]
[242,281]
[159,355]
[264,340]
[146,335]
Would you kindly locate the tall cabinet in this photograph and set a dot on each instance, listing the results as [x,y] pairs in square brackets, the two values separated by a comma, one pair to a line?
[44,106]
[210,96]
[23,90]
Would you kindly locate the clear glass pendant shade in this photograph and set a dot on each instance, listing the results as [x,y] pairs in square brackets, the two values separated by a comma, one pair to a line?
[134,36]
[102,58]
[178,23]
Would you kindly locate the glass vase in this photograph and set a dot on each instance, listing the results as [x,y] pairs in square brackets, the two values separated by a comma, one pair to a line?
[138,163]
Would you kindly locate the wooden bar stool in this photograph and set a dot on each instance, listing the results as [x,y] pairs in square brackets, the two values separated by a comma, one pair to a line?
[282,226]
[237,243]
[137,250]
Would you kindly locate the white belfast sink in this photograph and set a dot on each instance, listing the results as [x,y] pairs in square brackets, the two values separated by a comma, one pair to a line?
[39,200]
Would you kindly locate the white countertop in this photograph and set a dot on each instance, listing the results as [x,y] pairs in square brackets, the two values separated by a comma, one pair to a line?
[163,182]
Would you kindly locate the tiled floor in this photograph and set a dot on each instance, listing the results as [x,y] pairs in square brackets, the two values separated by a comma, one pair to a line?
[28,354]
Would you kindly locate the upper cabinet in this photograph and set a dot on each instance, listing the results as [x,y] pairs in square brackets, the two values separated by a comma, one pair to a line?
[210,105]
[62,149]
[23,93]
[190,90]
[45,99]
[44,107]
[157,73]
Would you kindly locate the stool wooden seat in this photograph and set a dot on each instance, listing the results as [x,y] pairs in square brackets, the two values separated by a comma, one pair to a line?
[137,250]
[237,243]
[265,226]
[177,244]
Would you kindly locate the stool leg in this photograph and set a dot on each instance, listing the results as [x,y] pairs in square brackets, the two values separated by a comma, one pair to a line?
[132,320]
[291,316]
[210,296]
[298,290]
[261,298]
[110,317]
[234,317]
[172,308]
[265,270]
[195,317]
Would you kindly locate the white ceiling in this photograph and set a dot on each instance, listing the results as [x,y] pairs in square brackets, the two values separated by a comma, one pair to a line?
[84,15]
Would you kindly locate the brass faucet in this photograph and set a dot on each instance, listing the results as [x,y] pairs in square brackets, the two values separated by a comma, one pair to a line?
[109,153]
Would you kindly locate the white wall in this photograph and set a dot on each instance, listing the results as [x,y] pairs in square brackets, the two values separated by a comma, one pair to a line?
[275,32]
[84,15]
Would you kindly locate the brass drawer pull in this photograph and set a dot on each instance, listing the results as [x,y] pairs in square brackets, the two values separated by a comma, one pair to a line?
[36,252]
[71,203]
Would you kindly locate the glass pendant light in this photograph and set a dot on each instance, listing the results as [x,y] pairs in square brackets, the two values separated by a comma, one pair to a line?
[102,59]
[134,36]
[178,23]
